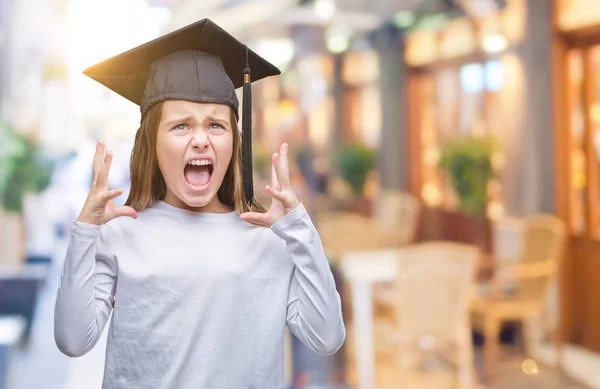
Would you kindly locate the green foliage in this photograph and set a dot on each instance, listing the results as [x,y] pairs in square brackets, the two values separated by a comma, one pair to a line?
[301,158]
[468,161]
[354,161]
[23,168]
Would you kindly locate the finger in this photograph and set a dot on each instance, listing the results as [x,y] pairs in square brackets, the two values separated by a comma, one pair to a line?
[281,175]
[125,210]
[97,162]
[279,195]
[284,163]
[111,194]
[103,175]
[274,181]
[261,219]
[278,172]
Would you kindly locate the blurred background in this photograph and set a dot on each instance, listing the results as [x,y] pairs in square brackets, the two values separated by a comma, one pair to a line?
[447,150]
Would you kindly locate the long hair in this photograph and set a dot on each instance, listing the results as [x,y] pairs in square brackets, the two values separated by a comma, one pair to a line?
[148,184]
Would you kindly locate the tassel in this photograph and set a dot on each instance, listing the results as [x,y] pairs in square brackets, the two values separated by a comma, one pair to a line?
[247,135]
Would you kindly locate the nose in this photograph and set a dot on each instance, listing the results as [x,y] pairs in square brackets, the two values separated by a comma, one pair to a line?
[199,140]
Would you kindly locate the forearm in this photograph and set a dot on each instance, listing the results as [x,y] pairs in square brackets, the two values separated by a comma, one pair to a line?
[315,308]
[316,314]
[82,307]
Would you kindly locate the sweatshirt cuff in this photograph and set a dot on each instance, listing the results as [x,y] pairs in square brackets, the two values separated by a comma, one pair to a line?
[289,220]
[85,230]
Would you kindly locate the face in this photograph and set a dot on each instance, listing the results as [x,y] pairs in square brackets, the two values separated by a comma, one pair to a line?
[194,148]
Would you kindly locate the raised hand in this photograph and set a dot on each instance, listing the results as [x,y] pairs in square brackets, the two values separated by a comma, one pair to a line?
[99,207]
[283,197]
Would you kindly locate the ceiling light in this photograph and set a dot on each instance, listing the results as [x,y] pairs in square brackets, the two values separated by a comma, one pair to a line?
[495,43]
[338,43]
[337,39]
[277,51]
[324,9]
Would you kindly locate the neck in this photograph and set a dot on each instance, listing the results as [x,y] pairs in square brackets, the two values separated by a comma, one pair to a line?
[214,205]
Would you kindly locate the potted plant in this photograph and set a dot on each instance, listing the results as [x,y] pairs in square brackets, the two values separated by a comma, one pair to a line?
[468,163]
[23,170]
[354,162]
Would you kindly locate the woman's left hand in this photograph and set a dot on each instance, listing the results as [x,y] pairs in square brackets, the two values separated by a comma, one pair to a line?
[283,197]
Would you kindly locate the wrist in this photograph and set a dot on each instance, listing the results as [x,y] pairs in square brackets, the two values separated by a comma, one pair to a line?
[292,207]
[88,220]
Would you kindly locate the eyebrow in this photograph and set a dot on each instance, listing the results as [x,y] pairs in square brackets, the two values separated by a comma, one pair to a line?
[192,119]
[188,118]
[217,120]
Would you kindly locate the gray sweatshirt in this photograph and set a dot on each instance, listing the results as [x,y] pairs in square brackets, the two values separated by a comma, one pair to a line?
[199,300]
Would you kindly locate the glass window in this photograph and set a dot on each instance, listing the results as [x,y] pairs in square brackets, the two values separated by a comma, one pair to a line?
[455,101]
[577,136]
[593,118]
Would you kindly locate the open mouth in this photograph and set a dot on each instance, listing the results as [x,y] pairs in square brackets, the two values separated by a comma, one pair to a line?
[198,176]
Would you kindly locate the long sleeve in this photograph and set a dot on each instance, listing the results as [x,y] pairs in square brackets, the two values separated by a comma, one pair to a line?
[86,292]
[314,311]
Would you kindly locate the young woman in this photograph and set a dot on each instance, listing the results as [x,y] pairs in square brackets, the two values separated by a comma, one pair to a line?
[200,281]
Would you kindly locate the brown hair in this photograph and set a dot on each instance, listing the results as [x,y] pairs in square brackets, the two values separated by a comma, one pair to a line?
[148,185]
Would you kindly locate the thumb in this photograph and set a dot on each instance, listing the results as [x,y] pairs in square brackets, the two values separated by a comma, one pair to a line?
[257,218]
[125,210]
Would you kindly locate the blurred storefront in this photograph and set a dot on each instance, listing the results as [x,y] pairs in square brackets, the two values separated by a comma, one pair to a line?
[528,75]
[468,77]
[456,76]
[458,90]
[576,49]
[321,103]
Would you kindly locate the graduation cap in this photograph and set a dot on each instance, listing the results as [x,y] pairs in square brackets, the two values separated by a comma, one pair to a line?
[200,63]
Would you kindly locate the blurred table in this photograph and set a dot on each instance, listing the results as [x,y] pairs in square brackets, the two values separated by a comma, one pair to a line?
[11,330]
[19,289]
[362,269]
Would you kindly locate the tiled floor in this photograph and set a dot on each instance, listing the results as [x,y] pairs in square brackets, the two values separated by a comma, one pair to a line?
[42,366]
[435,373]
[443,377]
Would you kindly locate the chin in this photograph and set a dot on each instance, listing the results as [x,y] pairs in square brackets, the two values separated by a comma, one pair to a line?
[198,197]
[193,202]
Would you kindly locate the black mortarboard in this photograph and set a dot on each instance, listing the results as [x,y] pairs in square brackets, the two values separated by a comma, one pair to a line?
[201,63]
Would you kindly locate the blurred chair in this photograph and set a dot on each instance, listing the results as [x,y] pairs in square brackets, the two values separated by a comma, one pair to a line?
[544,237]
[507,240]
[396,212]
[399,212]
[342,231]
[433,292]
[340,194]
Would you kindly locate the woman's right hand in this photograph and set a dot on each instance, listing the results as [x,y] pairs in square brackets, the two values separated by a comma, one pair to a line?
[99,207]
